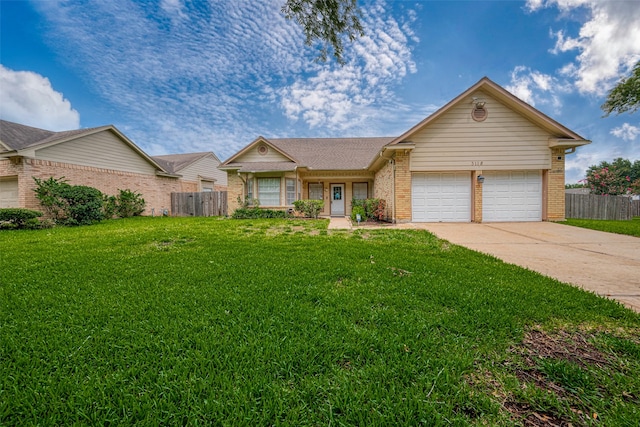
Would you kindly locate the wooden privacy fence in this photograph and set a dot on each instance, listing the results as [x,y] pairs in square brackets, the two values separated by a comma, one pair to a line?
[208,203]
[594,206]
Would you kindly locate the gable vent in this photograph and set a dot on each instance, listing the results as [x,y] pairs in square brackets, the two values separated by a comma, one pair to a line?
[263,149]
[479,112]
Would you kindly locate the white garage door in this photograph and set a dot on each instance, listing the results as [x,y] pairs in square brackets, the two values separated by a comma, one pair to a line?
[441,197]
[8,192]
[512,196]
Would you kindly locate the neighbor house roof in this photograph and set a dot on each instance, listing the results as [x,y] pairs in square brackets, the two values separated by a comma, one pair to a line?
[177,162]
[313,153]
[21,140]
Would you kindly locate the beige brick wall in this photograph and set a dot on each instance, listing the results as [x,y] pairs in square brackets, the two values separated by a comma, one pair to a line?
[155,190]
[383,188]
[555,186]
[235,189]
[403,187]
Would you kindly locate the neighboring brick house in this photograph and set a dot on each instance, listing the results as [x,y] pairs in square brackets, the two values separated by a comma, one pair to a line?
[101,157]
[484,156]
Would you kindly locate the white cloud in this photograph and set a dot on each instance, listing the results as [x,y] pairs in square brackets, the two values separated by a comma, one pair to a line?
[626,132]
[28,98]
[342,98]
[536,88]
[607,43]
[189,73]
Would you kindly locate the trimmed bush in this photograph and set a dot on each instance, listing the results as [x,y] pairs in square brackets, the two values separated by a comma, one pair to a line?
[19,218]
[129,203]
[309,208]
[373,208]
[70,204]
[358,210]
[257,213]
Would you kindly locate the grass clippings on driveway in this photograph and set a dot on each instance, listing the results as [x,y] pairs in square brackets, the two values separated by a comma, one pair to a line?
[630,227]
[202,321]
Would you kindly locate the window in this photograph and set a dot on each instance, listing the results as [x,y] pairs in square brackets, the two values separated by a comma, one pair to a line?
[291,191]
[250,189]
[360,190]
[315,191]
[269,191]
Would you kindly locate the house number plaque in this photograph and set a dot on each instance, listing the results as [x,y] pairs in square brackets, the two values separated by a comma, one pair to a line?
[476,163]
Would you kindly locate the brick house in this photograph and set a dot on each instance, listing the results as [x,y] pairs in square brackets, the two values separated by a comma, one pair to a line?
[484,156]
[103,158]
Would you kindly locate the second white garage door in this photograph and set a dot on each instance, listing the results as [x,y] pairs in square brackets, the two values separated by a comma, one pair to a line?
[441,197]
[512,196]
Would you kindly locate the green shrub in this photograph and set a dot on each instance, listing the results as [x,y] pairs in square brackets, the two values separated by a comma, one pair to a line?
[358,210]
[309,208]
[70,204]
[129,203]
[257,213]
[84,205]
[49,193]
[109,206]
[19,218]
[373,208]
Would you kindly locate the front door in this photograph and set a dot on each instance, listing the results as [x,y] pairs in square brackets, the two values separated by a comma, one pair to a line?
[337,199]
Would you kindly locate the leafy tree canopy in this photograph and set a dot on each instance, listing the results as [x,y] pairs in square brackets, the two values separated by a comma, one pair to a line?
[625,96]
[326,22]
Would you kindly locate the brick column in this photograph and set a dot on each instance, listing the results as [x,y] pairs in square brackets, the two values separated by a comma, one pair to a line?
[477,197]
[235,188]
[403,187]
[555,186]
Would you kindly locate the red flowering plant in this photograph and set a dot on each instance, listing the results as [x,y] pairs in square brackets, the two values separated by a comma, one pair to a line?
[608,181]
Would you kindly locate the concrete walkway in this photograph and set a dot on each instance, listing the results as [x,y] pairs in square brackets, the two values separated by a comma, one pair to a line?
[605,263]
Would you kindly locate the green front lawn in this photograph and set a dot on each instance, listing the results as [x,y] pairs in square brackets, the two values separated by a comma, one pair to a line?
[631,228]
[203,321]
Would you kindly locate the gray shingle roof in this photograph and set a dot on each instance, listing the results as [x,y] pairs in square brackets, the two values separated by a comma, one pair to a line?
[176,162]
[332,153]
[318,154]
[18,137]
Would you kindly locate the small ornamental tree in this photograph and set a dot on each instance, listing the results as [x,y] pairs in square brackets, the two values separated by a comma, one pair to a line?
[617,178]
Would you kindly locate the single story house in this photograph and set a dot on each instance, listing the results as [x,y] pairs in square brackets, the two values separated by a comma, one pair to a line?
[101,157]
[200,169]
[484,156]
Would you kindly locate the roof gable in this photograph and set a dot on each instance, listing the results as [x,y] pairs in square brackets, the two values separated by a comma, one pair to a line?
[311,153]
[509,100]
[25,140]
[177,162]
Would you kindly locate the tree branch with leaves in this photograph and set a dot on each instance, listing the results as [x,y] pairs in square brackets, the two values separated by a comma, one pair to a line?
[326,22]
[625,96]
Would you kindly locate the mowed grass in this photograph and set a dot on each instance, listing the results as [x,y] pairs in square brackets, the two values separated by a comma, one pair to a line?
[204,321]
[631,228]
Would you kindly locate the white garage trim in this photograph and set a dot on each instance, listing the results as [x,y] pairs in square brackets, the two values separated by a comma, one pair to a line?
[512,196]
[441,197]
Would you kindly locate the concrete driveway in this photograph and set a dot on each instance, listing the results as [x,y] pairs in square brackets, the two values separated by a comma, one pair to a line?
[605,263]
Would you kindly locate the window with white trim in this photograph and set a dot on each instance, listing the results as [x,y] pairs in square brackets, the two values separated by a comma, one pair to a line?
[250,189]
[291,191]
[360,190]
[269,191]
[315,191]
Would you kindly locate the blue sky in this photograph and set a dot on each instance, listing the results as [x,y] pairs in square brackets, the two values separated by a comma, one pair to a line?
[182,76]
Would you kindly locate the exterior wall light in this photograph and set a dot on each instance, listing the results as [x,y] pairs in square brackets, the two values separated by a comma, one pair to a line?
[480,179]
